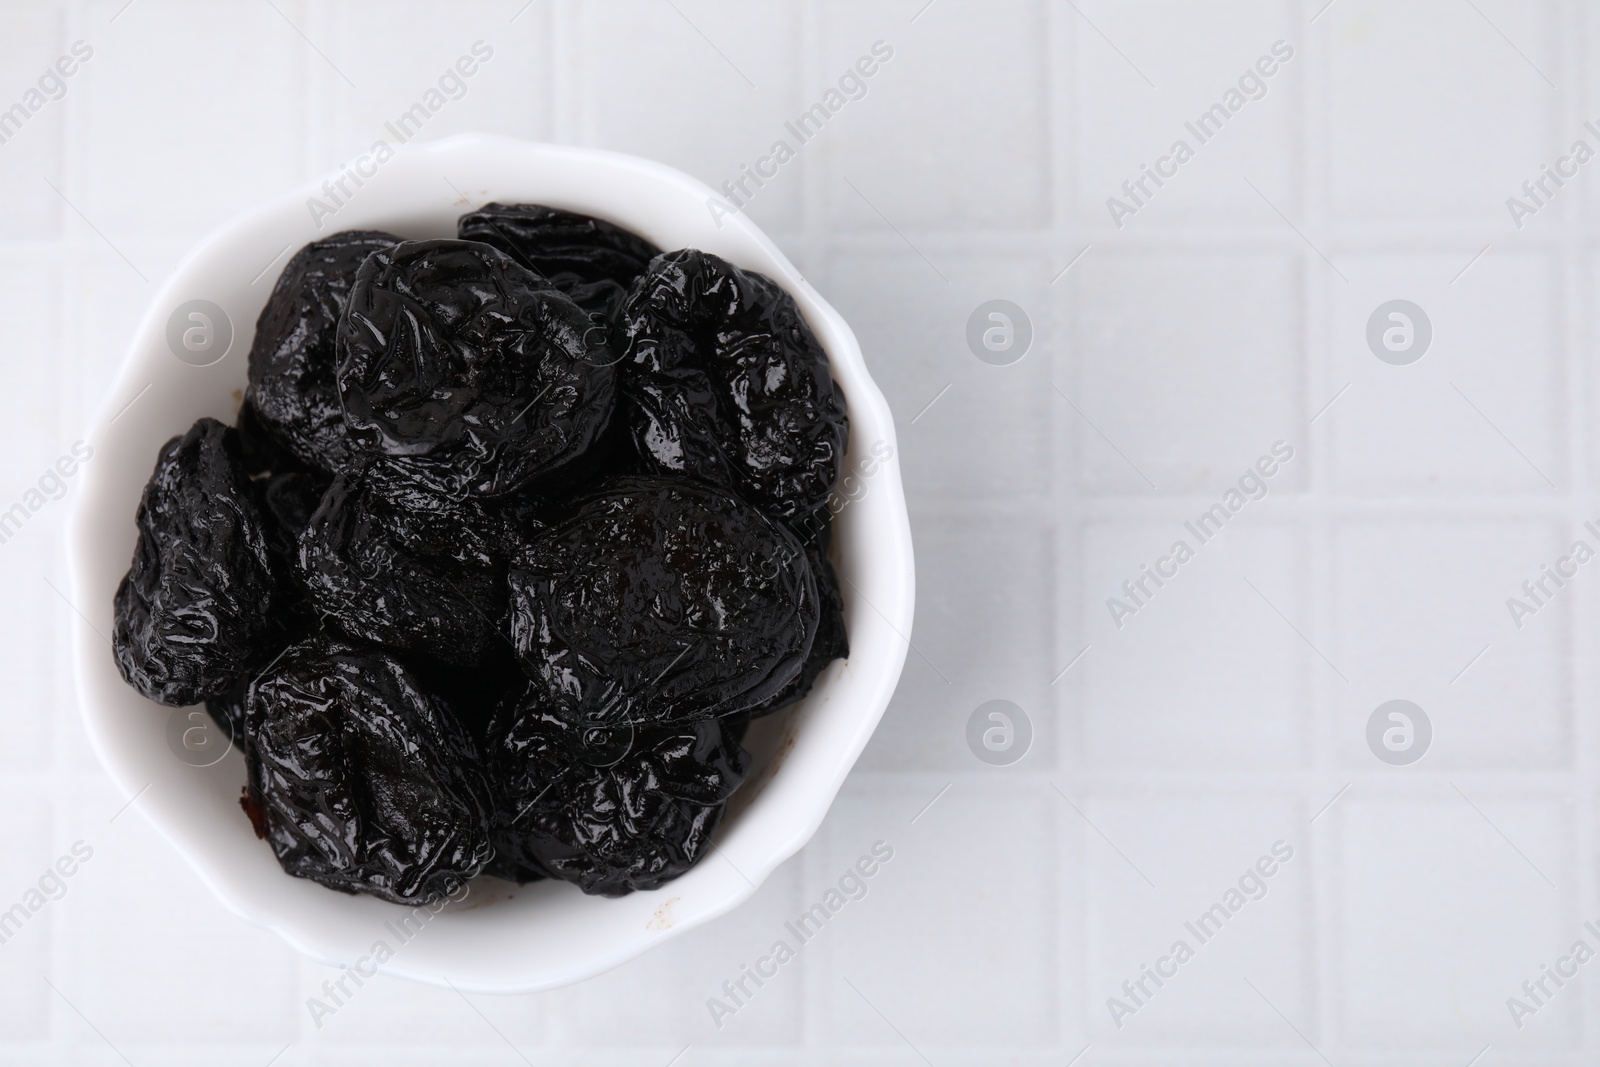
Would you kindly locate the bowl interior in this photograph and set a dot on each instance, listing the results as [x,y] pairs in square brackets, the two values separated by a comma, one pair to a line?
[501,937]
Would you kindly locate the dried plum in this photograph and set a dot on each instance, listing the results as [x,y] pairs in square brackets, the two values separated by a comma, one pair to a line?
[725,382]
[591,260]
[661,601]
[293,390]
[642,819]
[460,364]
[367,585]
[367,783]
[194,612]
[830,643]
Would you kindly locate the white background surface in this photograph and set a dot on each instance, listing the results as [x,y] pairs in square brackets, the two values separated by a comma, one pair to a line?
[1224,316]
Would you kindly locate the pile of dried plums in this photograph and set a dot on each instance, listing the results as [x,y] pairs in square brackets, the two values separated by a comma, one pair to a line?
[514,536]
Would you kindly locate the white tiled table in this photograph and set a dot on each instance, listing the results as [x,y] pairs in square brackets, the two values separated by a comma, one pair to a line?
[1224,316]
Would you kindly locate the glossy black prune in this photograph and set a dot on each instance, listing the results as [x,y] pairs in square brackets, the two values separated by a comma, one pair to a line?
[460,364]
[725,382]
[194,612]
[640,820]
[661,601]
[365,583]
[293,390]
[367,784]
[830,643]
[589,259]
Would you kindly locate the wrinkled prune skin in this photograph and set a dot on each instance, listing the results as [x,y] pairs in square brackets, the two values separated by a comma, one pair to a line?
[830,643]
[635,823]
[194,612]
[591,260]
[460,364]
[368,784]
[660,602]
[364,583]
[725,382]
[293,389]
[427,519]
[431,518]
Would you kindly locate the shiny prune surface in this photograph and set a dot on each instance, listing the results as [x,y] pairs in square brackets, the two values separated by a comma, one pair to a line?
[428,519]
[641,818]
[725,382]
[591,260]
[460,364]
[367,783]
[661,601]
[830,643]
[195,610]
[293,389]
[366,584]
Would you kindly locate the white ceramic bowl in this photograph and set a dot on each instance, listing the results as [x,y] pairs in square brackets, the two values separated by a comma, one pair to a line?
[501,938]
